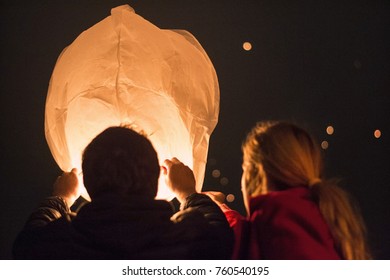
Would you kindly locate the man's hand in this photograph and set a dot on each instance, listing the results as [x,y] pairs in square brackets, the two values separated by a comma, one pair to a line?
[179,178]
[67,187]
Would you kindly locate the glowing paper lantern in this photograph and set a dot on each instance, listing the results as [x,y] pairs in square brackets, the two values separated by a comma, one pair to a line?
[125,70]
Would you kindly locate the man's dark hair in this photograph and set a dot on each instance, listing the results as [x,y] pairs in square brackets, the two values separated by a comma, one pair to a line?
[120,160]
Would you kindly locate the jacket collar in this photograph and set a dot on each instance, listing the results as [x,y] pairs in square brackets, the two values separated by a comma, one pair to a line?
[257,201]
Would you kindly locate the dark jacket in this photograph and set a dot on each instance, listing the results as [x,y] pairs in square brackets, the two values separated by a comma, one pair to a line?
[113,227]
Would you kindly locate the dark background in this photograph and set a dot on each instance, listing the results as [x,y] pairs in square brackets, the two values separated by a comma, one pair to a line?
[318,63]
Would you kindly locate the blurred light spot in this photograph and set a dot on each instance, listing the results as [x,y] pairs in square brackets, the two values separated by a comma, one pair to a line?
[216,173]
[230,198]
[330,130]
[224,181]
[377,133]
[247,46]
[357,64]
[324,145]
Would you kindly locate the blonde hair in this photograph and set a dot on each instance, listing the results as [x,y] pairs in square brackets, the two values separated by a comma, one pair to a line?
[283,155]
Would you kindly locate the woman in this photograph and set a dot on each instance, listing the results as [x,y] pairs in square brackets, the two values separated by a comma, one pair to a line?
[293,212]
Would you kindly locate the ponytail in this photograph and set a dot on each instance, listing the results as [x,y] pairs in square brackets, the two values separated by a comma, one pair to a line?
[343,219]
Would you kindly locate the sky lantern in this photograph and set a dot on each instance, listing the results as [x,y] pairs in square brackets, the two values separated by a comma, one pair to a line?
[126,71]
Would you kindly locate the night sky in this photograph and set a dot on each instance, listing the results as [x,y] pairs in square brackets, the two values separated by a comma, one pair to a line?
[318,63]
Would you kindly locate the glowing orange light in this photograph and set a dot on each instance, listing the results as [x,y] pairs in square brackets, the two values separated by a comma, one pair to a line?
[330,130]
[324,145]
[230,198]
[377,133]
[224,181]
[216,173]
[247,46]
[159,81]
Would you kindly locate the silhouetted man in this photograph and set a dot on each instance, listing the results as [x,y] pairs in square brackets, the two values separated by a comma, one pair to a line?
[124,220]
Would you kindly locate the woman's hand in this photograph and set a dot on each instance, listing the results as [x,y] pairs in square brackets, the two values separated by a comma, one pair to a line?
[217,197]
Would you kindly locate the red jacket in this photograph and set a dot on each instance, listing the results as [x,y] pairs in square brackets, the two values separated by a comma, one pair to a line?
[282,225]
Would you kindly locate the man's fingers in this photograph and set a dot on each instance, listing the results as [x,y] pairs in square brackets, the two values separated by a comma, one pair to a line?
[175,160]
[167,164]
[164,170]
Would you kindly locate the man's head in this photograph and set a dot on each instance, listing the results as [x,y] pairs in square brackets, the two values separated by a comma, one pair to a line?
[119,160]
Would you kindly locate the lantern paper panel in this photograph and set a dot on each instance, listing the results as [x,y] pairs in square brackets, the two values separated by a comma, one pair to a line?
[125,70]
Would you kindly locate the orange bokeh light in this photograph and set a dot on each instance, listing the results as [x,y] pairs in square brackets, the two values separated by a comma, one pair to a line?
[377,133]
[230,198]
[247,46]
[330,130]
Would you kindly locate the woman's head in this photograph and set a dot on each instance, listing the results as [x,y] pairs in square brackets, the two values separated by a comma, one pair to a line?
[279,155]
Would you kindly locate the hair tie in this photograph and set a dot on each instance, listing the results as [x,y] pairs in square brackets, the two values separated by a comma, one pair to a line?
[314,181]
